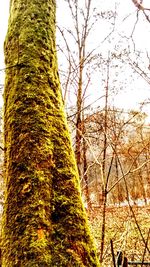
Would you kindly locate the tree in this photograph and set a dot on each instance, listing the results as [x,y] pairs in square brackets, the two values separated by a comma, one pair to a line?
[77,61]
[44,222]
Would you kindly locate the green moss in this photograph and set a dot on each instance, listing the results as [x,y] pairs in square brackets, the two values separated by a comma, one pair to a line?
[44,222]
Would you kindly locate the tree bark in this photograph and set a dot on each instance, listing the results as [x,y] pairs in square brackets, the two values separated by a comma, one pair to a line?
[44,222]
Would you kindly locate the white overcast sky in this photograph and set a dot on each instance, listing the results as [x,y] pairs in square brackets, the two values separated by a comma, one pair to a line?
[4,10]
[126,7]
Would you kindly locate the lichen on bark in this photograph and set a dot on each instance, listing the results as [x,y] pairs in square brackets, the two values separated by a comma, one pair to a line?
[44,222]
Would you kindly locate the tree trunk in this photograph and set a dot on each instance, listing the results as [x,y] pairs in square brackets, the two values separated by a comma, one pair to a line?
[79,131]
[44,222]
[85,166]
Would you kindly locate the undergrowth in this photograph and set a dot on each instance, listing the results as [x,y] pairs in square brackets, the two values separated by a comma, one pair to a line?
[122,229]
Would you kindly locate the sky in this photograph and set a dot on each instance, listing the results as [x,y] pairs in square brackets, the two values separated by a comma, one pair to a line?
[126,8]
[138,89]
[4,11]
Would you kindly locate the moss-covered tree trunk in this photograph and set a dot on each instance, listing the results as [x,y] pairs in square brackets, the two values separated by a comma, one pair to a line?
[44,222]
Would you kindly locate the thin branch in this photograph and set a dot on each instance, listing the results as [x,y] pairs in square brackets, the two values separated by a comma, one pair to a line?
[130,169]
[131,209]
[145,247]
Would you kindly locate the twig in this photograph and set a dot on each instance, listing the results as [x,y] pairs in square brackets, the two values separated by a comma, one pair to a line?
[132,211]
[112,252]
[145,247]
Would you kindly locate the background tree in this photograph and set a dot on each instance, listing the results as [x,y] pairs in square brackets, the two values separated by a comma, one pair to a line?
[44,220]
[78,58]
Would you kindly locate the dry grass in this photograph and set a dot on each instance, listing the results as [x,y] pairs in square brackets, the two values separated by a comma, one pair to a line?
[123,230]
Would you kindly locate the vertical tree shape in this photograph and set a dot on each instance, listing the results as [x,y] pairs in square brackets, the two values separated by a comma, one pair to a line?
[44,222]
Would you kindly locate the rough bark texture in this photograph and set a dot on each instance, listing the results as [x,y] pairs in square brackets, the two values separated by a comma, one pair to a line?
[44,222]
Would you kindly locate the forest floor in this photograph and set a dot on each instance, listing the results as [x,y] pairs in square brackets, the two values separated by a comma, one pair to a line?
[126,227]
